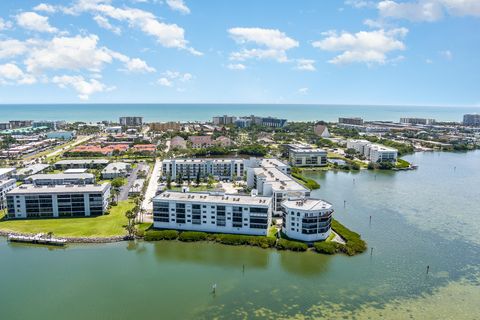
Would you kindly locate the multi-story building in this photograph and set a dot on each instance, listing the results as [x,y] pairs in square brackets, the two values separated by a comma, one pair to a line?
[14,124]
[210,212]
[61,179]
[5,186]
[61,135]
[201,141]
[23,173]
[223,120]
[272,122]
[131,121]
[307,219]
[115,170]
[81,163]
[6,173]
[422,121]
[373,152]
[270,177]
[355,121]
[308,157]
[4,126]
[52,125]
[165,126]
[472,119]
[30,201]
[192,168]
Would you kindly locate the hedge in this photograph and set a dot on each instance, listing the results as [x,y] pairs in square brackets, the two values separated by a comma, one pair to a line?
[189,236]
[236,239]
[353,242]
[309,183]
[327,247]
[284,244]
[155,235]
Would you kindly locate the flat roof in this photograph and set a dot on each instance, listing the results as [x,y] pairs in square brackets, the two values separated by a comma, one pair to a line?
[76,170]
[307,204]
[118,165]
[202,160]
[6,171]
[309,150]
[279,180]
[32,169]
[217,198]
[32,189]
[82,161]
[61,176]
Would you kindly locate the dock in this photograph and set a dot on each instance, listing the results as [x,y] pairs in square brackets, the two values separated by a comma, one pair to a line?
[40,238]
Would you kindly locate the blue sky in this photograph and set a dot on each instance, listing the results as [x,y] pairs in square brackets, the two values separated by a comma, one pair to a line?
[415,52]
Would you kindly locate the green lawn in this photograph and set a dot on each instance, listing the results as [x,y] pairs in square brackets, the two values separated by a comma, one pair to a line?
[102,226]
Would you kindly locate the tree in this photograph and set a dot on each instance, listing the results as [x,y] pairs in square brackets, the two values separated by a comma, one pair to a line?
[197,181]
[169,181]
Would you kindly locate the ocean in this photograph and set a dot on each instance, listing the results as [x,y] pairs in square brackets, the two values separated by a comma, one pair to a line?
[202,112]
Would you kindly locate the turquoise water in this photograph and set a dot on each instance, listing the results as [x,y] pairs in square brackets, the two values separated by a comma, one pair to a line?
[202,112]
[430,216]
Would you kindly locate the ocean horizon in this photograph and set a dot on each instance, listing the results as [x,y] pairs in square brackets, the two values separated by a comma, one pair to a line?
[205,111]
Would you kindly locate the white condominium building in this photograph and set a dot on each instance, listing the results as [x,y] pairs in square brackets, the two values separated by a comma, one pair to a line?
[30,201]
[307,219]
[5,186]
[211,212]
[61,178]
[81,163]
[270,179]
[308,157]
[192,168]
[373,152]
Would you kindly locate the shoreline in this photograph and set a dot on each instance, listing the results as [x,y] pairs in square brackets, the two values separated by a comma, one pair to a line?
[85,240]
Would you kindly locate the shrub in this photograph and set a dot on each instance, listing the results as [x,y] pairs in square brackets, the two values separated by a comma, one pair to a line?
[155,235]
[236,240]
[327,247]
[354,243]
[309,183]
[284,244]
[190,236]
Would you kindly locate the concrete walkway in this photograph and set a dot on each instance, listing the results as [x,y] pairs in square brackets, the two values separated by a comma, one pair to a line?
[152,187]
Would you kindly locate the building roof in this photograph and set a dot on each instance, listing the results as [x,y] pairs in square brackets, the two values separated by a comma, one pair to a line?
[187,161]
[205,197]
[59,176]
[121,166]
[4,171]
[7,182]
[82,161]
[32,169]
[32,189]
[309,150]
[75,170]
[307,204]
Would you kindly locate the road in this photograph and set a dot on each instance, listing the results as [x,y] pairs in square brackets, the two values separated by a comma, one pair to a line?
[123,195]
[79,140]
[151,189]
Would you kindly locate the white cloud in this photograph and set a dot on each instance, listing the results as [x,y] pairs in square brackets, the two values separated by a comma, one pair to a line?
[11,48]
[178,5]
[84,88]
[45,8]
[428,10]
[168,35]
[171,78]
[35,22]
[365,46]
[305,65]
[236,66]
[4,25]
[302,91]
[138,65]
[273,44]
[165,82]
[11,72]
[105,24]
[446,54]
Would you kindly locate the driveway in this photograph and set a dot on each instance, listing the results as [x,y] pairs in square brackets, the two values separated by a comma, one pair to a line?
[130,181]
[152,187]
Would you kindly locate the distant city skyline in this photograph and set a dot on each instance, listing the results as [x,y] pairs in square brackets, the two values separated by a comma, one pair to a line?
[415,52]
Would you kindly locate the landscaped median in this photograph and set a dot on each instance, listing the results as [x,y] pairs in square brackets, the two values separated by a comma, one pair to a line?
[353,243]
[107,228]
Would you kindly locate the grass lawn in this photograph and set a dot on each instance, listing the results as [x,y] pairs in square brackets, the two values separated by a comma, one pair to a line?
[272,232]
[102,226]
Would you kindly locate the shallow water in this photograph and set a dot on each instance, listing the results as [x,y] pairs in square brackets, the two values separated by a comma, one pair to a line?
[425,217]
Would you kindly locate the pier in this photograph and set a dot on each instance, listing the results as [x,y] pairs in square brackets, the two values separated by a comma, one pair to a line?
[40,238]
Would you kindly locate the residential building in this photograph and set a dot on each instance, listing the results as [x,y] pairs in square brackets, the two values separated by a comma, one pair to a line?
[14,124]
[22,149]
[131,121]
[355,121]
[472,119]
[199,142]
[192,168]
[60,179]
[52,125]
[224,120]
[165,126]
[373,152]
[212,212]
[223,142]
[114,129]
[270,177]
[6,173]
[321,130]
[107,150]
[23,173]
[178,142]
[145,148]
[116,169]
[5,186]
[61,135]
[308,157]
[307,219]
[243,123]
[81,163]
[416,121]
[4,126]
[30,201]
[273,122]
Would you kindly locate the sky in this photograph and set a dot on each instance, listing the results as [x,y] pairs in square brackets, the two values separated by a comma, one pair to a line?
[384,52]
